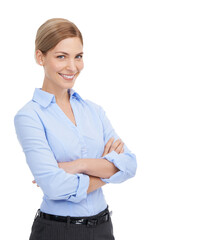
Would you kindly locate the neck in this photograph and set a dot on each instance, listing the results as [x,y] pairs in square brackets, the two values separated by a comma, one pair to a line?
[62,96]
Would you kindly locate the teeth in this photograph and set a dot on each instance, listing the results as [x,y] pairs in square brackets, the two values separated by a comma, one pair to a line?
[65,76]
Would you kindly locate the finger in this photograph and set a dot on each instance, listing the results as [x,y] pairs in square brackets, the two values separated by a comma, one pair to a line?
[119,148]
[33,181]
[116,144]
[122,150]
[108,145]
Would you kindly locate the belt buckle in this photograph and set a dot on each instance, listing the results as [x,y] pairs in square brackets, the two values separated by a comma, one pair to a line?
[79,221]
[92,222]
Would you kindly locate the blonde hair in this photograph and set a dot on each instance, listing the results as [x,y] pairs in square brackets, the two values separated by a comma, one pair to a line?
[51,32]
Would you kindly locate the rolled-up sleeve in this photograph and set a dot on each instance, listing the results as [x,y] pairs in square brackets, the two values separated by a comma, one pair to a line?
[55,183]
[125,162]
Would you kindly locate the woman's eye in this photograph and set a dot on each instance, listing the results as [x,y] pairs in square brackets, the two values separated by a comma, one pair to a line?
[61,57]
[79,56]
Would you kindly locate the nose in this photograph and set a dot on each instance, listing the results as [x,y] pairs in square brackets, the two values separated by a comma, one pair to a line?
[71,65]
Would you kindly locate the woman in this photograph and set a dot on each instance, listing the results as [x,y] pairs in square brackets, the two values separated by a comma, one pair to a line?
[70,145]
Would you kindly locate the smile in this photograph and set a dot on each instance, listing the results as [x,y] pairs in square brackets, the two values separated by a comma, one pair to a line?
[67,77]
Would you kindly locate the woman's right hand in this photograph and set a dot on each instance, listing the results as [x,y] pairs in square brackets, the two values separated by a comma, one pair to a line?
[117,146]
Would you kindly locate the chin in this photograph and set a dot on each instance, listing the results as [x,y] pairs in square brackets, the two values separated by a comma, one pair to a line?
[68,85]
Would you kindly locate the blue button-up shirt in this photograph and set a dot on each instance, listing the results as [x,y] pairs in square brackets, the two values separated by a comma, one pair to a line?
[48,136]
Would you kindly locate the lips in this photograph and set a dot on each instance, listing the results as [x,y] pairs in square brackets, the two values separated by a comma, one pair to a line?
[67,76]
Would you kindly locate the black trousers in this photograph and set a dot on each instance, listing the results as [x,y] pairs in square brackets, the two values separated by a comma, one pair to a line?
[44,229]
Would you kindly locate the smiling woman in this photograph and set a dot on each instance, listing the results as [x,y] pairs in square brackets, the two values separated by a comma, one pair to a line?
[61,70]
[70,145]
[58,48]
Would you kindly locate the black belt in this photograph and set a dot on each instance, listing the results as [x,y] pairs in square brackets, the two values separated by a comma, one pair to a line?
[90,221]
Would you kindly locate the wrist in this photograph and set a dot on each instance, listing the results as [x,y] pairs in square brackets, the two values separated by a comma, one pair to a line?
[81,165]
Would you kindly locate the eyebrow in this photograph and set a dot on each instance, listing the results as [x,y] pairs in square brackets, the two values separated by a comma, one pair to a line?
[68,53]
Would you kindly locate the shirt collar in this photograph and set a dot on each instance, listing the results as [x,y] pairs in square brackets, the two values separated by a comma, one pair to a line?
[45,98]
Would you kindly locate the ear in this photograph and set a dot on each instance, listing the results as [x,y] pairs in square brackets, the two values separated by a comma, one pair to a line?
[39,57]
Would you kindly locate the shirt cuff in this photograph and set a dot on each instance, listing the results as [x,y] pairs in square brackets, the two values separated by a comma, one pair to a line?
[81,191]
[114,158]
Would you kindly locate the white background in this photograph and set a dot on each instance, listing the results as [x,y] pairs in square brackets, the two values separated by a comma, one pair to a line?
[141,61]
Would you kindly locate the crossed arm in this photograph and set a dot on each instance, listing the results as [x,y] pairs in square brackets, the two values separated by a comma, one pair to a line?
[93,167]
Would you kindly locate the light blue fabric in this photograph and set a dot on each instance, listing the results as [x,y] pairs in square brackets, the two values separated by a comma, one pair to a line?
[48,136]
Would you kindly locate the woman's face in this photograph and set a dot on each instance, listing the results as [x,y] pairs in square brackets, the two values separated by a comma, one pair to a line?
[63,63]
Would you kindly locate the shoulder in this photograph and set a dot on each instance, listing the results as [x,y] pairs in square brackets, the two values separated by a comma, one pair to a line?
[26,108]
[27,111]
[93,105]
[96,108]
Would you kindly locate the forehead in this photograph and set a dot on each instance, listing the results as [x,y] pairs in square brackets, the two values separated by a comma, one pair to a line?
[69,45]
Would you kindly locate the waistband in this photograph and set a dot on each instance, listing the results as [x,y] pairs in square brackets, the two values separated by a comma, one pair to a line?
[99,218]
